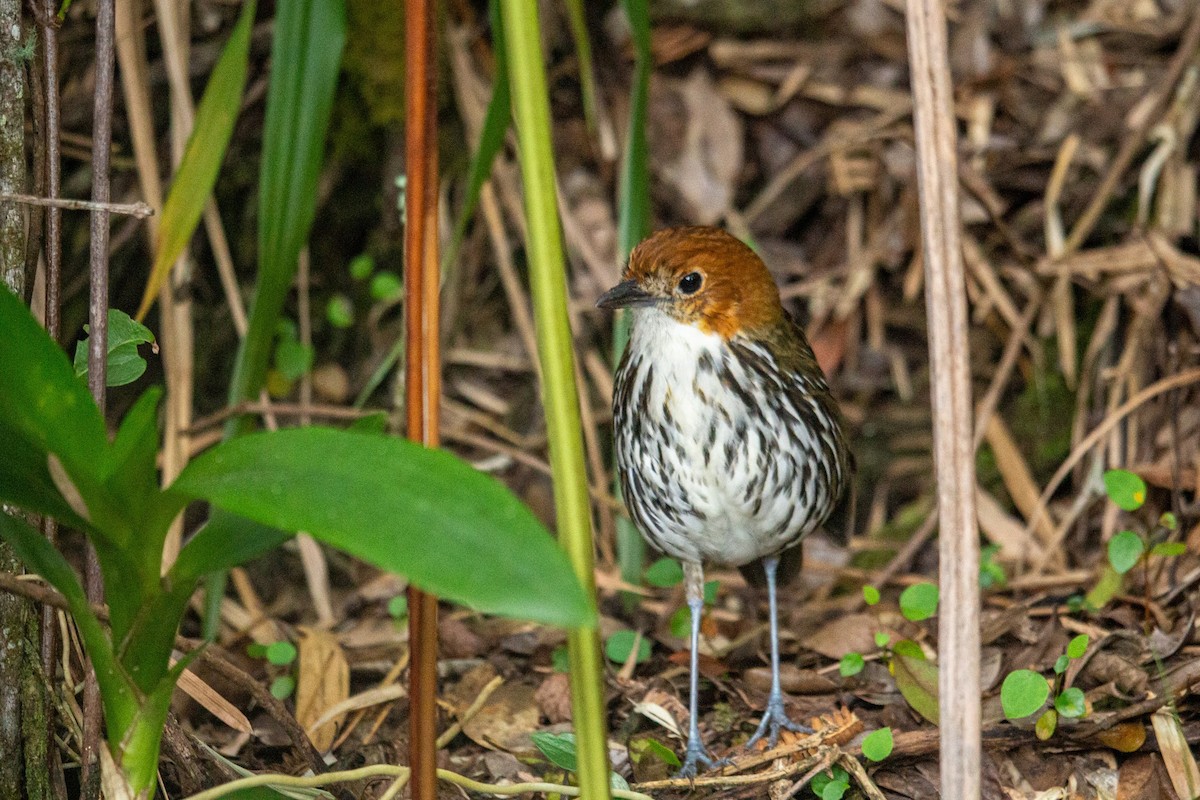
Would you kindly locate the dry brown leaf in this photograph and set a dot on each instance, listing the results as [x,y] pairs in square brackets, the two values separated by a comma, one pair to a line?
[853,633]
[554,698]
[1176,754]
[506,720]
[217,705]
[323,681]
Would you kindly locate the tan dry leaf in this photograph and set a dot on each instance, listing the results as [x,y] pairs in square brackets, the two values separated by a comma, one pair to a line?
[853,633]
[323,681]
[1176,755]
[506,720]
[194,687]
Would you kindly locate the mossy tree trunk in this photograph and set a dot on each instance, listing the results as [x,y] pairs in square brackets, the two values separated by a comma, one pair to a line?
[23,724]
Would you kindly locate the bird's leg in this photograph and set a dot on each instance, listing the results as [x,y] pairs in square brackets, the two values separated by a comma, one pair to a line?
[776,716]
[693,577]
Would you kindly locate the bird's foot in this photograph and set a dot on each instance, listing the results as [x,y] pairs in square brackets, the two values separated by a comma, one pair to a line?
[773,720]
[694,756]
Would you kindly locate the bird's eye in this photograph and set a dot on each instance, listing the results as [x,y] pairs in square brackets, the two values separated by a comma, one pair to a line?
[690,283]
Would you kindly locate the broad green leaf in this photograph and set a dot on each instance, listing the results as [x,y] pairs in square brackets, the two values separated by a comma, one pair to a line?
[197,173]
[835,790]
[618,647]
[917,680]
[919,601]
[877,745]
[1071,703]
[681,622]
[851,664]
[125,365]
[1125,489]
[882,639]
[452,530]
[664,573]
[44,410]
[909,648]
[339,311]
[1078,646]
[386,286]
[1124,550]
[1061,663]
[225,541]
[558,748]
[1023,692]
[870,595]
[283,686]
[306,52]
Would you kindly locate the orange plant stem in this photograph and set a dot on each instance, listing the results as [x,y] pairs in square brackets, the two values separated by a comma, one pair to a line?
[423,376]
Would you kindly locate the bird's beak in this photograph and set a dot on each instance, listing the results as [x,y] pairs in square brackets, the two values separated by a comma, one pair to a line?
[626,294]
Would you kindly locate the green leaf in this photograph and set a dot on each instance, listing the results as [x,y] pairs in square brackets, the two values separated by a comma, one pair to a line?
[917,680]
[558,748]
[822,779]
[560,659]
[835,790]
[620,645]
[306,51]
[1071,703]
[491,137]
[1169,549]
[281,653]
[1023,692]
[1046,724]
[339,311]
[386,286]
[225,541]
[1078,646]
[644,746]
[1125,489]
[877,745]
[909,649]
[634,190]
[197,173]
[292,358]
[710,592]
[361,266]
[664,573]
[851,664]
[1105,589]
[870,595]
[116,692]
[397,607]
[283,686]
[452,530]
[919,601]
[125,364]
[1169,521]
[681,622]
[1124,550]
[882,639]
[1061,663]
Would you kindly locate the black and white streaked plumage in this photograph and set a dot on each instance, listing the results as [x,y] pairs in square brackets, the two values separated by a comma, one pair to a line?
[729,445]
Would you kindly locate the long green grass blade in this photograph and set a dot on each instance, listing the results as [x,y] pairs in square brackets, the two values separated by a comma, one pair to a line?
[633,225]
[547,271]
[197,173]
[491,138]
[583,51]
[305,55]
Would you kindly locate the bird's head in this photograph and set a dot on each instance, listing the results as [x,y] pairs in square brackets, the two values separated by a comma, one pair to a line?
[699,276]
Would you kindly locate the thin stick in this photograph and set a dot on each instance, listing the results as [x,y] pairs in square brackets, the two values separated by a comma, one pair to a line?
[422,358]
[98,349]
[945,298]
[138,209]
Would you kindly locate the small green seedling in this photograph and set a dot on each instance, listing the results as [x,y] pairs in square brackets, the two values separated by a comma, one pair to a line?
[1024,692]
[831,785]
[560,750]
[664,573]
[877,745]
[620,645]
[919,601]
[281,654]
[1129,548]
[990,572]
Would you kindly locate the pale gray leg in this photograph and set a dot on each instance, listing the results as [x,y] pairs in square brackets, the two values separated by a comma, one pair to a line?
[775,717]
[693,576]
